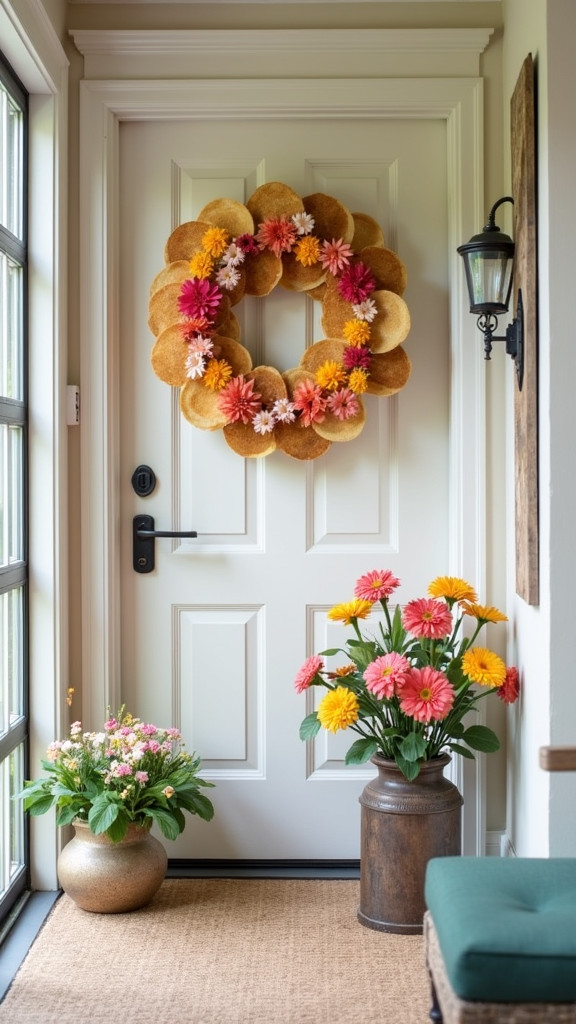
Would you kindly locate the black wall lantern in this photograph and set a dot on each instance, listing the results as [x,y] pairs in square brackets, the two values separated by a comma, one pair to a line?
[488,262]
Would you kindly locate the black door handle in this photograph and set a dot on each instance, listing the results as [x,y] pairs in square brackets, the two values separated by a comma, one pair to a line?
[143,536]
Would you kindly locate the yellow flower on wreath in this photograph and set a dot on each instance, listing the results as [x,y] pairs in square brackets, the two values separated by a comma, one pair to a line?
[330,376]
[338,709]
[215,241]
[307,251]
[201,265]
[484,667]
[218,373]
[356,332]
[358,380]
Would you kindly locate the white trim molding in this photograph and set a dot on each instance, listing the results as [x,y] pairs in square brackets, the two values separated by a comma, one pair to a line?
[290,53]
[104,105]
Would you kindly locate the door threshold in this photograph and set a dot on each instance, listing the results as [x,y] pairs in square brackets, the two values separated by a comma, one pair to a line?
[342,869]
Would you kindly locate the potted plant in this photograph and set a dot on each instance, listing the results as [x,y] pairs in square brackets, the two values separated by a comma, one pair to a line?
[112,786]
[408,688]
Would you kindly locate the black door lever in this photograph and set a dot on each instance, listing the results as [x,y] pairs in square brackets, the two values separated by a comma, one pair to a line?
[143,535]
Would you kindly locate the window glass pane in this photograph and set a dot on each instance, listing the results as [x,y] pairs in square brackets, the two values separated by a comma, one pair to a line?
[12,854]
[11,328]
[11,494]
[11,658]
[11,206]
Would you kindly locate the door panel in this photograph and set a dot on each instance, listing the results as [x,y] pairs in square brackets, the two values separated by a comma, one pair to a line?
[212,639]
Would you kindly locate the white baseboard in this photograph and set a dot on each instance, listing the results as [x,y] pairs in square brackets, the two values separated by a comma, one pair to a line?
[496,840]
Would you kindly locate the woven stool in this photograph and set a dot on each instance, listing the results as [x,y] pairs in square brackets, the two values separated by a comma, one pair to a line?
[500,934]
[501,940]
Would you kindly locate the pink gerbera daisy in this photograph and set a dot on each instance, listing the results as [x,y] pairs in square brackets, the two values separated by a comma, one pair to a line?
[427,618]
[199,298]
[385,674]
[278,235]
[356,356]
[306,674]
[239,401]
[425,693]
[343,404]
[376,585]
[335,255]
[356,283]
[308,400]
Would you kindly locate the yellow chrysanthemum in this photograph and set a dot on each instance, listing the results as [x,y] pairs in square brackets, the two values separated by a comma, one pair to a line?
[201,265]
[356,332]
[338,709]
[215,241]
[358,380]
[484,667]
[307,251]
[484,612]
[356,609]
[330,376]
[452,588]
[217,374]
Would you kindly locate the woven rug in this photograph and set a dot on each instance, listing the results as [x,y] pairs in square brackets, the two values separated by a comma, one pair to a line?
[222,951]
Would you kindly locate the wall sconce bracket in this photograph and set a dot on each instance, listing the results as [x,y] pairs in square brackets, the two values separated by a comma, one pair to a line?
[514,337]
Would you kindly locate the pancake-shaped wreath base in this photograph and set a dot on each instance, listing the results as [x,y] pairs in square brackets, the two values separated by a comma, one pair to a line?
[314,246]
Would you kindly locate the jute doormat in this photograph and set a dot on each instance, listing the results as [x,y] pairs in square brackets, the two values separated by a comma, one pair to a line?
[222,951]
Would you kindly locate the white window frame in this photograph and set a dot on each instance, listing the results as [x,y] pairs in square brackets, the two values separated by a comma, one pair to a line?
[31,46]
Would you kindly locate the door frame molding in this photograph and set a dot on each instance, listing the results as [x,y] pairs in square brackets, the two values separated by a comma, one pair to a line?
[104,105]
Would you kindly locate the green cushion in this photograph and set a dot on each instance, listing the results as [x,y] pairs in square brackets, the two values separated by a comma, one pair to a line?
[506,926]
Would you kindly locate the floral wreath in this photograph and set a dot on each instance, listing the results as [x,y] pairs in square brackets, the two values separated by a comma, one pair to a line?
[312,245]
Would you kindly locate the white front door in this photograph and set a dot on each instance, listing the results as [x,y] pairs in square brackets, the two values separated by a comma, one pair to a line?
[212,638]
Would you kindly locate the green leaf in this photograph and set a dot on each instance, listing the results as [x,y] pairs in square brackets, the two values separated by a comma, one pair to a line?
[39,803]
[361,750]
[310,727]
[102,814]
[169,826]
[197,803]
[480,737]
[459,749]
[117,829]
[410,769]
[412,747]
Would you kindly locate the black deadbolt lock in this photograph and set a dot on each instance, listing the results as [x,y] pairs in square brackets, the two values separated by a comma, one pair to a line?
[143,480]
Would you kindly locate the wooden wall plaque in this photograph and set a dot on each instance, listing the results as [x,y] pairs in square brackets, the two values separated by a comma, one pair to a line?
[522,111]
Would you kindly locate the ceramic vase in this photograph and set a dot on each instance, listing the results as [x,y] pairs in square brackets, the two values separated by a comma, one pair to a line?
[111,878]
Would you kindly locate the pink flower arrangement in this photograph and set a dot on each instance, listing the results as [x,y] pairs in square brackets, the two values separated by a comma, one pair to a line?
[407,686]
[130,772]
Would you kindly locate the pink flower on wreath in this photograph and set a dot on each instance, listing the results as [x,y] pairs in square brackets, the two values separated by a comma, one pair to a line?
[376,585]
[428,618]
[308,400]
[356,283]
[343,404]
[278,235]
[510,688]
[306,674]
[425,693]
[356,356]
[238,400]
[199,298]
[248,244]
[384,675]
[335,255]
